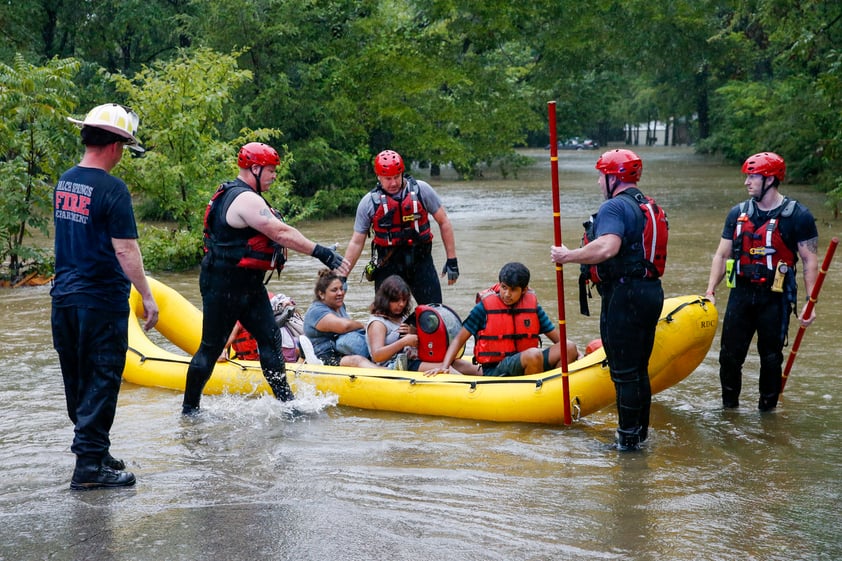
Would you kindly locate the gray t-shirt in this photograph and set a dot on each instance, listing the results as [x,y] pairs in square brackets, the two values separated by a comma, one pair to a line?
[392,334]
[323,341]
[368,204]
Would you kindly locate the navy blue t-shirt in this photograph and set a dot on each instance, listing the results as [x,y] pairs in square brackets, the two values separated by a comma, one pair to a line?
[616,217]
[90,207]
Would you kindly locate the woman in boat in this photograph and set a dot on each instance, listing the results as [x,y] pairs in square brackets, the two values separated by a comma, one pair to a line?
[337,339]
[391,334]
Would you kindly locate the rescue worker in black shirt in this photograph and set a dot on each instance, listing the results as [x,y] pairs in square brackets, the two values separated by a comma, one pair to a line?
[762,240]
[245,238]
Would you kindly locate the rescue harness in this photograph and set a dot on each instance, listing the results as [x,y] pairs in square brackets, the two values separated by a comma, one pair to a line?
[239,247]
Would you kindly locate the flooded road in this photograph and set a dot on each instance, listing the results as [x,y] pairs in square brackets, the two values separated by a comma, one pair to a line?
[248,481]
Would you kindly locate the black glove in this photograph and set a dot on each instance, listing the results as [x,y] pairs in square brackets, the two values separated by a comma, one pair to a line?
[451,269]
[330,258]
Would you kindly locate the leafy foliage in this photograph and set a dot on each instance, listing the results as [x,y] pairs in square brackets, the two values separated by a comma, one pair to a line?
[181,103]
[34,139]
[444,82]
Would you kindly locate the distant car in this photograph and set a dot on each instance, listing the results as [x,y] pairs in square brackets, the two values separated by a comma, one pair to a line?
[575,144]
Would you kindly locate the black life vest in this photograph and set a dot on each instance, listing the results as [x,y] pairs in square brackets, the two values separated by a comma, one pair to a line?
[758,249]
[643,254]
[238,247]
[404,222]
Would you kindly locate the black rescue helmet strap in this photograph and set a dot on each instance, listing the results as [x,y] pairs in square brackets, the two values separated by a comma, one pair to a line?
[257,177]
[609,187]
[764,189]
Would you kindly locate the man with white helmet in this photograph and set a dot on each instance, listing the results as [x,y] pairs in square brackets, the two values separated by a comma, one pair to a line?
[97,260]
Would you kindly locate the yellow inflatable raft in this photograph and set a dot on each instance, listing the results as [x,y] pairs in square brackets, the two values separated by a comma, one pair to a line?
[685,333]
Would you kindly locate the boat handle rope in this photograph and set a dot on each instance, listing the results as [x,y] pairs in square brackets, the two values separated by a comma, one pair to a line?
[669,317]
[144,358]
[414,381]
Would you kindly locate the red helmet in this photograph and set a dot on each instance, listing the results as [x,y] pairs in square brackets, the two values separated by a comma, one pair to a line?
[388,163]
[257,154]
[625,164]
[766,164]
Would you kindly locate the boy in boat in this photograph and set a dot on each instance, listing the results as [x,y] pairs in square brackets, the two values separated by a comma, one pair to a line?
[507,323]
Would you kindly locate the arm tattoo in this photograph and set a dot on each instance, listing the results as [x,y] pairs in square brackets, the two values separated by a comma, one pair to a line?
[811,245]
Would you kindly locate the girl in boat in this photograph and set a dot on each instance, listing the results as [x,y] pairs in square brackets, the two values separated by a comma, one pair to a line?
[391,334]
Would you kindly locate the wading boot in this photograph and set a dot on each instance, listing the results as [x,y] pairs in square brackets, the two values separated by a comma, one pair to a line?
[86,477]
[189,410]
[111,462]
[627,441]
[280,386]
[767,402]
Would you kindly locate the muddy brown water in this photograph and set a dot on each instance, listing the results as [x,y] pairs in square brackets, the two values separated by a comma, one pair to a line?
[249,481]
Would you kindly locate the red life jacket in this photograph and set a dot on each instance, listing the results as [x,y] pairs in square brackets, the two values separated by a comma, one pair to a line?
[508,329]
[437,325]
[403,222]
[238,247]
[245,346]
[642,255]
[758,249]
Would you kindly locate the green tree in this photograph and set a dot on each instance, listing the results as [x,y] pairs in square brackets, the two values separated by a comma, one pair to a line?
[35,143]
[181,103]
[785,89]
[119,35]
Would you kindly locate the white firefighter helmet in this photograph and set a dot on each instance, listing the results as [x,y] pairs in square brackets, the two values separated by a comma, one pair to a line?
[114,118]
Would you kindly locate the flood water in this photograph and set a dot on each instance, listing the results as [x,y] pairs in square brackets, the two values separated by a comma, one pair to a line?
[249,481]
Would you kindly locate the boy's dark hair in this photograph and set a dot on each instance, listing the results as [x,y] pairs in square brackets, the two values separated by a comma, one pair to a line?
[95,136]
[514,274]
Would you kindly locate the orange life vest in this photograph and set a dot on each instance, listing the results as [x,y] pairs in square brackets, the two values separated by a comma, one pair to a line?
[508,329]
[245,346]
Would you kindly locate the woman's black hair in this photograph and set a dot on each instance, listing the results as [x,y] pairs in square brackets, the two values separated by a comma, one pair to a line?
[392,289]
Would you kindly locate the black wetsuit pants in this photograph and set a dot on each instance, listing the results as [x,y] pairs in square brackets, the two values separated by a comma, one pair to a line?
[753,309]
[230,294]
[415,265]
[627,322]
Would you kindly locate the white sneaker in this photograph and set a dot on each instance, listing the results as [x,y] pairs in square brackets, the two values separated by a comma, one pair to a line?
[309,353]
